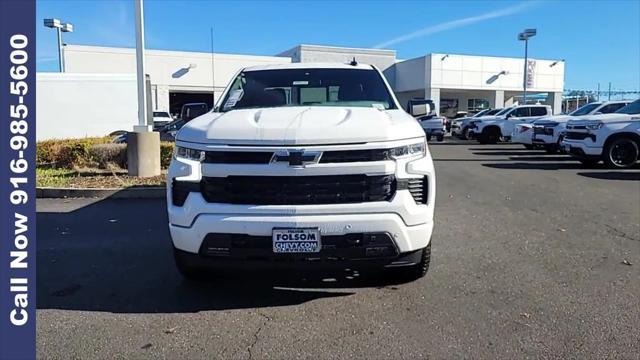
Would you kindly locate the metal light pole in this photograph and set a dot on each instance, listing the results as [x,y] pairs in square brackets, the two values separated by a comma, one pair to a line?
[525,36]
[60,28]
[143,145]
[140,67]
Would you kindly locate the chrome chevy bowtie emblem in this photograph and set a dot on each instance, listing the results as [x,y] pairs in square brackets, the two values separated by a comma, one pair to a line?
[298,158]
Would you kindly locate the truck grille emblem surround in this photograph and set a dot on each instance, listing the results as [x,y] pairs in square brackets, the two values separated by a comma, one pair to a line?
[297,158]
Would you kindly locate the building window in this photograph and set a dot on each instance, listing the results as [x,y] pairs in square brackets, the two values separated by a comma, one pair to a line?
[448,107]
[477,104]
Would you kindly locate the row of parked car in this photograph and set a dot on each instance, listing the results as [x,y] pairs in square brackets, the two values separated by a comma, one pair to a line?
[607,131]
[166,125]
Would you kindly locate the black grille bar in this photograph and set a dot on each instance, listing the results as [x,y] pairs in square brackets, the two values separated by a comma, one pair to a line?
[343,156]
[238,157]
[298,190]
[571,135]
[264,157]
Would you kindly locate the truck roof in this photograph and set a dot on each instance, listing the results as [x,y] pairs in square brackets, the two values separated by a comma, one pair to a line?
[309,65]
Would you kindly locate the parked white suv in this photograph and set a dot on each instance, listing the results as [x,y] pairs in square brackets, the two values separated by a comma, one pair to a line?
[460,126]
[612,138]
[303,164]
[490,129]
[548,132]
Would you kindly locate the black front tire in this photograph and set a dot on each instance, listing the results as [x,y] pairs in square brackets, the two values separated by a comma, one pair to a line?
[440,138]
[417,271]
[489,136]
[528,146]
[621,153]
[551,149]
[464,134]
[185,268]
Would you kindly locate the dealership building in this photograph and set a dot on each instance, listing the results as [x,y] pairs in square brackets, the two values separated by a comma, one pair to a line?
[455,82]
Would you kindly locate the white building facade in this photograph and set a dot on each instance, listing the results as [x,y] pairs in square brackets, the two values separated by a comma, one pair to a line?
[459,82]
[176,76]
[455,82]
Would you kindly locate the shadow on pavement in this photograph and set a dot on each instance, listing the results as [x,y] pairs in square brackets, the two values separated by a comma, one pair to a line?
[470,160]
[505,147]
[537,166]
[613,175]
[115,255]
[542,158]
[508,153]
[450,142]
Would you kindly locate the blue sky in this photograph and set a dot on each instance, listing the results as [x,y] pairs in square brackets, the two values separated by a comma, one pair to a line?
[599,40]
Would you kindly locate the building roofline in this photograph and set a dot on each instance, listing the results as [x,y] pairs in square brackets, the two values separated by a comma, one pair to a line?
[127,50]
[477,56]
[343,49]
[309,65]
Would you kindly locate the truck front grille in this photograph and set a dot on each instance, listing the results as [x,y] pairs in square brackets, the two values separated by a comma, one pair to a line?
[571,135]
[297,190]
[327,157]
[541,130]
[238,157]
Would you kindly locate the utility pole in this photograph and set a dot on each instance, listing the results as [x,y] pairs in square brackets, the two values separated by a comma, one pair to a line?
[525,36]
[609,90]
[143,145]
[598,91]
[213,74]
[140,65]
[60,28]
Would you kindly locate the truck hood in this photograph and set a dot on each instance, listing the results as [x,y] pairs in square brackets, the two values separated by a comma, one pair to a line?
[605,118]
[554,118]
[301,126]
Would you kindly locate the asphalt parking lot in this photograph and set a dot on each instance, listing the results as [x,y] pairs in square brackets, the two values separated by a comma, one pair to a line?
[530,258]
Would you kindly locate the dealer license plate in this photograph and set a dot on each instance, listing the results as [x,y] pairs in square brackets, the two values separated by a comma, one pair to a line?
[299,240]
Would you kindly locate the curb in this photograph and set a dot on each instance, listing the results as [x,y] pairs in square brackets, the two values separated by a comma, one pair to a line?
[155,192]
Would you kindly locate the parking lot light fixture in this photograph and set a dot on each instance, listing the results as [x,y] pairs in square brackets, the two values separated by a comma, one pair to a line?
[60,28]
[525,36]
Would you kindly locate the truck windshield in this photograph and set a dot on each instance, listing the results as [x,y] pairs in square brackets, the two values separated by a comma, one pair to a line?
[585,110]
[504,111]
[307,87]
[633,108]
[481,113]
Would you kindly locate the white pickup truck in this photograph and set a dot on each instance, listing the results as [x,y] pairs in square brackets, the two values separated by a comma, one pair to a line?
[548,132]
[491,129]
[611,138]
[431,123]
[460,126]
[303,165]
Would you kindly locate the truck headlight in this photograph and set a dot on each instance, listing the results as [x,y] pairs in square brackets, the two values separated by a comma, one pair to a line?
[189,154]
[594,125]
[411,150]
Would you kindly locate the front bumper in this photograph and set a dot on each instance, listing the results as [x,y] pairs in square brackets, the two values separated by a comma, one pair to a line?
[409,222]
[518,137]
[544,139]
[405,238]
[581,149]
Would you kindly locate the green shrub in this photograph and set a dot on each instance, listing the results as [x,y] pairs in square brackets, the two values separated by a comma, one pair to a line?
[90,153]
[68,153]
[107,156]
[166,152]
